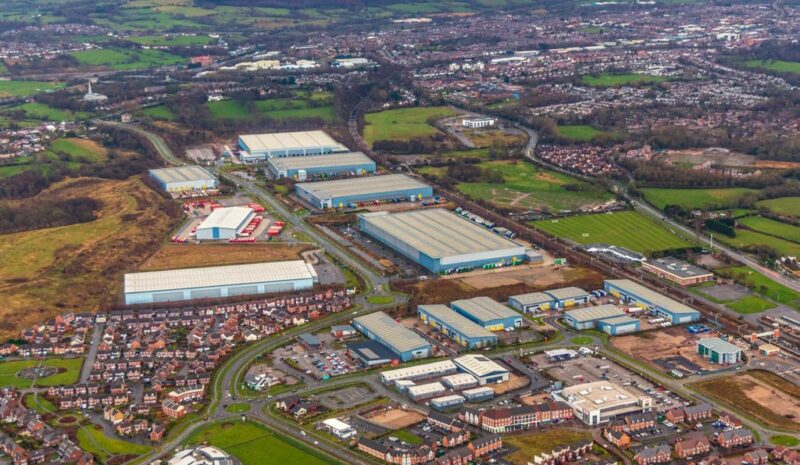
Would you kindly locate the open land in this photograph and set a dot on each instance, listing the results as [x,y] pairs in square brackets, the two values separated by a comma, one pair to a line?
[665,349]
[396,418]
[746,239]
[578,132]
[25,88]
[171,256]
[695,198]
[93,440]
[68,372]
[762,285]
[529,444]
[611,80]
[124,59]
[789,206]
[403,123]
[775,65]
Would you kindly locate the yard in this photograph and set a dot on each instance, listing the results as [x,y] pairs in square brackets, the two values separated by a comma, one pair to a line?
[529,444]
[403,123]
[68,372]
[690,199]
[627,229]
[612,79]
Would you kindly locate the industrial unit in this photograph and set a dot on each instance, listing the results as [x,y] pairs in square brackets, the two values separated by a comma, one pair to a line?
[646,298]
[484,369]
[380,327]
[301,168]
[259,147]
[459,381]
[426,391]
[719,351]
[371,353]
[224,223]
[218,282]
[478,394]
[602,401]
[342,193]
[488,313]
[677,271]
[447,402]
[533,302]
[182,179]
[566,297]
[607,318]
[439,240]
[463,331]
[428,370]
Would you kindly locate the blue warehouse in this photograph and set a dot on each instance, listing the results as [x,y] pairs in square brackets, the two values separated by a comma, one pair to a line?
[488,313]
[648,299]
[607,318]
[405,343]
[321,166]
[441,241]
[343,193]
[458,328]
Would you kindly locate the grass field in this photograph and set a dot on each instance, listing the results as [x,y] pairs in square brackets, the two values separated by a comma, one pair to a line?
[25,88]
[39,404]
[408,437]
[745,238]
[624,229]
[750,304]
[581,340]
[69,371]
[305,105]
[775,65]
[529,444]
[762,285]
[527,186]
[171,40]
[238,408]
[124,59]
[254,444]
[380,299]
[79,266]
[40,111]
[789,206]
[403,123]
[94,441]
[784,440]
[690,199]
[80,148]
[159,112]
[771,227]
[171,256]
[578,132]
[612,80]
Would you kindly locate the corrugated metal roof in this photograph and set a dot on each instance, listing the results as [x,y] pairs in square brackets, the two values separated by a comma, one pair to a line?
[652,296]
[332,160]
[226,218]
[391,332]
[361,186]
[718,345]
[485,309]
[192,278]
[300,140]
[455,321]
[479,365]
[439,233]
[418,370]
[599,312]
[566,293]
[532,298]
[182,174]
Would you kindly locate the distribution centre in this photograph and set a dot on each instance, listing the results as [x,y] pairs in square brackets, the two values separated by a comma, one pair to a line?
[302,168]
[184,179]
[218,281]
[646,298]
[607,318]
[463,331]
[259,147]
[488,313]
[224,223]
[439,240]
[342,193]
[380,327]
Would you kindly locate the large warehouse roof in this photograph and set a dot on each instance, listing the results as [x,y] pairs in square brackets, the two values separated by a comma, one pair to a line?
[438,233]
[479,365]
[316,161]
[599,312]
[532,298]
[391,332]
[182,174]
[653,297]
[455,321]
[415,371]
[485,308]
[718,345]
[192,278]
[287,141]
[360,186]
[226,218]
[566,293]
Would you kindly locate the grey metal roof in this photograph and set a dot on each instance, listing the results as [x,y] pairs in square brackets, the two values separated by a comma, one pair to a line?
[182,174]
[320,161]
[192,278]
[300,140]
[652,296]
[677,267]
[718,345]
[566,293]
[439,233]
[361,186]
[485,308]
[532,298]
[619,320]
[391,332]
[457,322]
[227,218]
[600,312]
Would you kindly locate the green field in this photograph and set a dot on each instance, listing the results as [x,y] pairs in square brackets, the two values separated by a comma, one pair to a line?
[69,368]
[380,299]
[103,447]
[750,304]
[124,59]
[408,437]
[40,111]
[578,132]
[527,445]
[159,112]
[771,227]
[627,229]
[784,440]
[171,40]
[789,206]
[775,65]
[762,285]
[254,444]
[403,123]
[25,88]
[303,106]
[581,340]
[612,80]
[747,239]
[690,199]
[527,186]
[39,404]
[238,408]
[85,149]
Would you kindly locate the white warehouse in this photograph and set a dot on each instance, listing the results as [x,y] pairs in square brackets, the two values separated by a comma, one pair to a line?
[224,223]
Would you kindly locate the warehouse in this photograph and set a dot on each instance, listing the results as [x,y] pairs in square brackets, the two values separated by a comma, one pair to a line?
[218,282]
[458,328]
[485,370]
[224,223]
[447,402]
[677,271]
[439,240]
[478,394]
[566,297]
[380,327]
[341,193]
[646,298]
[428,370]
[316,166]
[259,147]
[460,381]
[533,302]
[488,313]
[371,353]
[719,351]
[426,391]
[607,318]
[602,401]
[183,179]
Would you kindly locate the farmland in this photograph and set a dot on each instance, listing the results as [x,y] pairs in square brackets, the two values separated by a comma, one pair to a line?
[123,59]
[25,88]
[527,186]
[775,65]
[789,206]
[746,239]
[68,372]
[771,227]
[403,123]
[254,444]
[612,80]
[79,266]
[690,199]
[93,440]
[627,229]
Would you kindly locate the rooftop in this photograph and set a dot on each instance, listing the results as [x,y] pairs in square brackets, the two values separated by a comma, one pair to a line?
[718,345]
[600,312]
[651,296]
[532,298]
[288,141]
[565,293]
[677,267]
[192,278]
[439,233]
[360,186]
[485,309]
[317,161]
[182,174]
[418,370]
[479,365]
[455,321]
[602,394]
[391,332]
[226,218]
